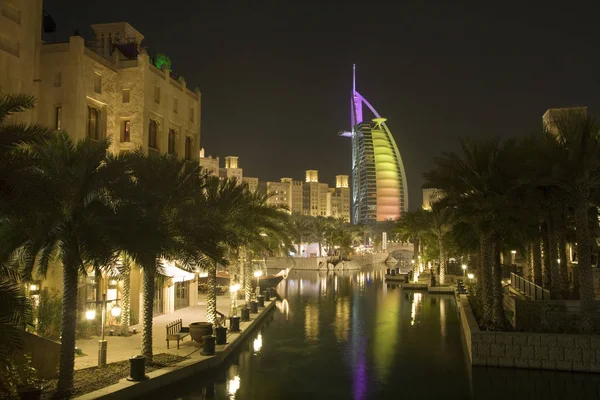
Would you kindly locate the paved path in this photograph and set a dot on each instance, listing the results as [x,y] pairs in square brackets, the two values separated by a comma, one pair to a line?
[121,348]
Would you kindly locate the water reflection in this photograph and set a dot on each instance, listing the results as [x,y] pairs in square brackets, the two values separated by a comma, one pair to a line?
[352,336]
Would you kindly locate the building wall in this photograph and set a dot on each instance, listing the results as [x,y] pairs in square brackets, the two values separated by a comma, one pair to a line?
[20,42]
[280,194]
[251,182]
[70,71]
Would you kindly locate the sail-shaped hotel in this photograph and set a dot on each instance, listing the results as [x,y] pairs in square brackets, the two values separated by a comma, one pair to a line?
[379,191]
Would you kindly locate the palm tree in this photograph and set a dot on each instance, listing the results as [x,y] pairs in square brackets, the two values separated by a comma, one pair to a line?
[167,221]
[478,184]
[318,229]
[301,228]
[411,227]
[577,173]
[66,208]
[438,223]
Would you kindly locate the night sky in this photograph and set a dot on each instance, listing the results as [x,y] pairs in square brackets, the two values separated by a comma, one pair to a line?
[275,76]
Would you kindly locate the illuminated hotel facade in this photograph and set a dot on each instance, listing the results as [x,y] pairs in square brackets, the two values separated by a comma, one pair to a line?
[379,188]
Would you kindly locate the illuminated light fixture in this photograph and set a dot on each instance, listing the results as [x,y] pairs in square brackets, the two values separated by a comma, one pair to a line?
[263,234]
[513,252]
[33,287]
[203,275]
[470,276]
[464,266]
[412,261]
[115,311]
[258,273]
[257,344]
[90,314]
[233,385]
[113,282]
[234,288]
[558,260]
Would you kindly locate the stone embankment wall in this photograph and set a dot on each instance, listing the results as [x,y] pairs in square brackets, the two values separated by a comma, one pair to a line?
[321,263]
[551,351]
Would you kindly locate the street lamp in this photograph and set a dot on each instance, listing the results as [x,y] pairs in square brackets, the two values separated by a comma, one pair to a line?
[470,276]
[258,274]
[464,268]
[91,314]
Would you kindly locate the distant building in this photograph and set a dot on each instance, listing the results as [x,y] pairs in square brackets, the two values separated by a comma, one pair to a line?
[552,115]
[311,197]
[209,164]
[251,182]
[340,198]
[315,196]
[431,196]
[379,187]
[280,194]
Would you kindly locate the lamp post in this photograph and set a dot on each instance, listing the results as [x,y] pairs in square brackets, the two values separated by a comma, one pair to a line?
[470,276]
[91,314]
[258,274]
[464,268]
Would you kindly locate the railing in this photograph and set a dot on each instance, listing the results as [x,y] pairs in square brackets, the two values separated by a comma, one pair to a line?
[528,288]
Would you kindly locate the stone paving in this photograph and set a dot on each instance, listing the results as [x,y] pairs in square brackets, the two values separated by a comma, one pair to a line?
[121,347]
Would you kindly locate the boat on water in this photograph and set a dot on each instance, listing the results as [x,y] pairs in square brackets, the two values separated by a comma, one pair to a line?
[396,277]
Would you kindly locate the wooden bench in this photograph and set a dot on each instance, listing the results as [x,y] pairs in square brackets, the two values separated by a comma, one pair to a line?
[175,331]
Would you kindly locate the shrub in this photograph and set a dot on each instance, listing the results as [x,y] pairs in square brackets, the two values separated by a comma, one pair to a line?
[49,314]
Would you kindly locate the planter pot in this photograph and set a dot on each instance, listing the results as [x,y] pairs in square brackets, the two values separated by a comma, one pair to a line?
[199,329]
[29,393]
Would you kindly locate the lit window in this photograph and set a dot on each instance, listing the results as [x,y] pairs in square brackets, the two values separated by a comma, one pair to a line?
[126,131]
[126,93]
[97,83]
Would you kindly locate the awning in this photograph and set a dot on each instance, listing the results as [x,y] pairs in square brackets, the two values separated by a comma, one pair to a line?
[170,270]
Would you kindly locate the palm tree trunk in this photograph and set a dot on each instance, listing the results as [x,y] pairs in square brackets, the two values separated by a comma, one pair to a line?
[553,256]
[562,254]
[126,296]
[211,295]
[247,283]
[320,249]
[536,258]
[528,267]
[442,261]
[68,327]
[149,275]
[584,265]
[546,274]
[487,265]
[498,316]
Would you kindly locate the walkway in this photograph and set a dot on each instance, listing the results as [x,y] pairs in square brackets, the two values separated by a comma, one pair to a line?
[121,347]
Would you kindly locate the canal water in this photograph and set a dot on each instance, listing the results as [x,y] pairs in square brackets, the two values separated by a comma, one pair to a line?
[352,336]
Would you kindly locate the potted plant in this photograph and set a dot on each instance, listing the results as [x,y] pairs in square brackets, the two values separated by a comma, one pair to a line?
[199,329]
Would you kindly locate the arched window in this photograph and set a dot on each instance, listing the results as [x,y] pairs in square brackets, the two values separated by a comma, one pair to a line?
[171,149]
